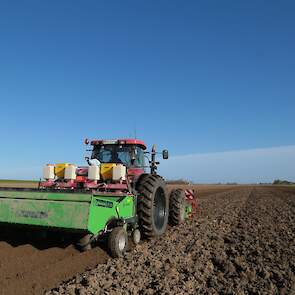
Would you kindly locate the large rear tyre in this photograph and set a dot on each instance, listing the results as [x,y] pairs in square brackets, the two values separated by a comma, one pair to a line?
[177,207]
[152,206]
[117,242]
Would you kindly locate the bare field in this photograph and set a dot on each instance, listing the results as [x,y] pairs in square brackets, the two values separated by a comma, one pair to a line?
[18,183]
[203,190]
[241,242]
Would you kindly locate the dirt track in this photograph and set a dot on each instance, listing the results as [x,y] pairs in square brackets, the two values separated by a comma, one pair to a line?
[243,242]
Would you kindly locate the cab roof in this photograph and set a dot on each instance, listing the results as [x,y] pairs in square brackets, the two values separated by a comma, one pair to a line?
[130,141]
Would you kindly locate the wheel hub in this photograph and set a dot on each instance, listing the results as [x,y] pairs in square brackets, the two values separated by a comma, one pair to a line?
[159,209]
[122,243]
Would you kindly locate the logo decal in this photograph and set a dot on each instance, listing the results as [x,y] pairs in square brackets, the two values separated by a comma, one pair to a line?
[103,203]
[33,214]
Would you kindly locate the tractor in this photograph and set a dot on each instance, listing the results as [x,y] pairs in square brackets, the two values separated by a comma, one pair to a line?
[116,198]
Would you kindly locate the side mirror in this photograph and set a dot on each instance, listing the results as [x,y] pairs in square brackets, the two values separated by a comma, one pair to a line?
[86,141]
[165,154]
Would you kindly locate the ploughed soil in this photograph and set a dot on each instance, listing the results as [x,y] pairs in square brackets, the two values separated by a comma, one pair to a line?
[31,267]
[242,241]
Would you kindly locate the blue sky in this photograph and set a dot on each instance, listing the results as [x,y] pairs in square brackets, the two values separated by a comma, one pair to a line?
[197,77]
[241,166]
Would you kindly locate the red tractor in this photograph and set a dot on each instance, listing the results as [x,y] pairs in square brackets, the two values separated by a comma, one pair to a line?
[117,168]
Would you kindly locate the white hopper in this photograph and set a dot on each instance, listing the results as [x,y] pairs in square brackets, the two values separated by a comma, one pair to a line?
[93,172]
[119,172]
[70,172]
[48,172]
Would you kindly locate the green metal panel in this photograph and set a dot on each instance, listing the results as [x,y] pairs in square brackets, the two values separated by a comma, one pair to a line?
[126,207]
[69,211]
[38,195]
[188,210]
[105,208]
[60,214]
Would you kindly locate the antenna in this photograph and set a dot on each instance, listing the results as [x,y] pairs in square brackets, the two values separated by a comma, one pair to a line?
[135,131]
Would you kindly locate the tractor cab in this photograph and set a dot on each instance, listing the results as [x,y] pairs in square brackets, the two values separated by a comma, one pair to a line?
[129,152]
[123,155]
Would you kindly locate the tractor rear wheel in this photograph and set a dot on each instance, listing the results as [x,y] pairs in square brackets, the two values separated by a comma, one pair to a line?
[177,207]
[152,206]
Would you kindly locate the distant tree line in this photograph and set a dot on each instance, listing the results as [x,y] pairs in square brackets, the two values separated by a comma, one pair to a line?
[282,182]
[188,182]
[178,181]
